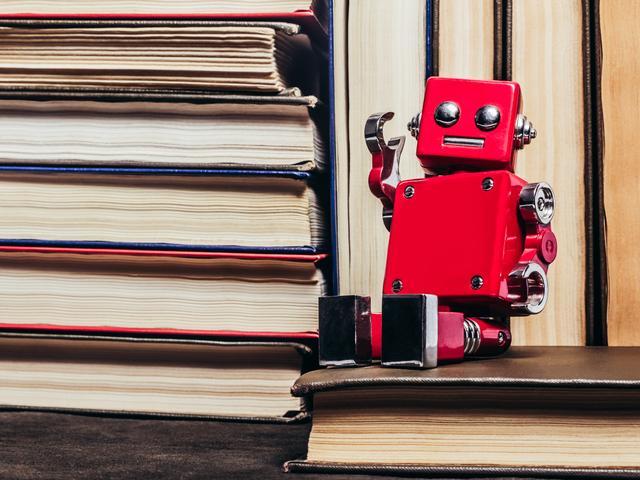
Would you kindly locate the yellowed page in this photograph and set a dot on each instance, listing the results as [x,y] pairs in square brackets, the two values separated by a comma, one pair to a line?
[341,125]
[620,103]
[547,62]
[465,43]
[386,73]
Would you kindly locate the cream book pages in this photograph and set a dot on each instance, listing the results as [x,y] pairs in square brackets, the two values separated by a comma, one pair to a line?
[221,57]
[149,377]
[259,135]
[248,211]
[159,292]
[341,132]
[620,103]
[386,72]
[465,39]
[57,7]
[547,62]
[402,427]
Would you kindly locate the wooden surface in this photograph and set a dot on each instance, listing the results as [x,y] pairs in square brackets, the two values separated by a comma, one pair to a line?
[46,446]
[547,62]
[621,104]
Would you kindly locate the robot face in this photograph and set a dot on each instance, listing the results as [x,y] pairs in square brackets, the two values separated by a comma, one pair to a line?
[471,125]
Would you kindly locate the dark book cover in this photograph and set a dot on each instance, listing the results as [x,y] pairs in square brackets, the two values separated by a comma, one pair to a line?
[564,379]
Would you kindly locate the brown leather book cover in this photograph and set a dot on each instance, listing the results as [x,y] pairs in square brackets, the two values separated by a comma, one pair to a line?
[567,379]
[571,367]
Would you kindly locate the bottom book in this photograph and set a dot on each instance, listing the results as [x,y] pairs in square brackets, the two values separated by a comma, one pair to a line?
[167,377]
[554,411]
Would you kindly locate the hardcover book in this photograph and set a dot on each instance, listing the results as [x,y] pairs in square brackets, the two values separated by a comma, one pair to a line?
[144,291]
[304,11]
[75,128]
[161,207]
[617,72]
[247,380]
[555,88]
[467,39]
[214,56]
[537,411]
[392,78]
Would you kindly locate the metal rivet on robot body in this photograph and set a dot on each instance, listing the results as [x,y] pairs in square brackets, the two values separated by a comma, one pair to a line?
[396,286]
[409,191]
[414,125]
[487,184]
[476,282]
[524,132]
[537,203]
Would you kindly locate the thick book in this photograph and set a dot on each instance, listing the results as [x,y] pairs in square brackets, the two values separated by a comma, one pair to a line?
[617,103]
[299,10]
[77,128]
[372,41]
[466,39]
[166,292]
[554,79]
[239,55]
[160,208]
[245,380]
[537,411]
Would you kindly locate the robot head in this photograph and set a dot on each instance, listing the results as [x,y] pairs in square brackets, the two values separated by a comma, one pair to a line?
[470,125]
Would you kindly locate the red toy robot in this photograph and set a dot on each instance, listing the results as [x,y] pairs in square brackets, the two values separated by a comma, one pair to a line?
[470,242]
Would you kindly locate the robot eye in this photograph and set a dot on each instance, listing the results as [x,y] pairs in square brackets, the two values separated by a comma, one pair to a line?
[487,117]
[447,114]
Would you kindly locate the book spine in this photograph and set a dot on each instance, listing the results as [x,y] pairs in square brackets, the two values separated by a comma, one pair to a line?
[55,247]
[596,282]
[334,288]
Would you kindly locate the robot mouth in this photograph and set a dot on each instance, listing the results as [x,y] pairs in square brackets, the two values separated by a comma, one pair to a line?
[464,141]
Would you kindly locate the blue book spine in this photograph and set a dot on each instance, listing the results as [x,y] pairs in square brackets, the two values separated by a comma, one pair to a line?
[303,176]
[333,200]
[157,171]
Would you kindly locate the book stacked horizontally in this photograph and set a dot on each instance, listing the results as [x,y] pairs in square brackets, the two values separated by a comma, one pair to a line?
[162,176]
[537,412]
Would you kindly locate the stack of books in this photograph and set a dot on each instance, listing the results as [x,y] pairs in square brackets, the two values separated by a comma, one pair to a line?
[163,188]
[555,411]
